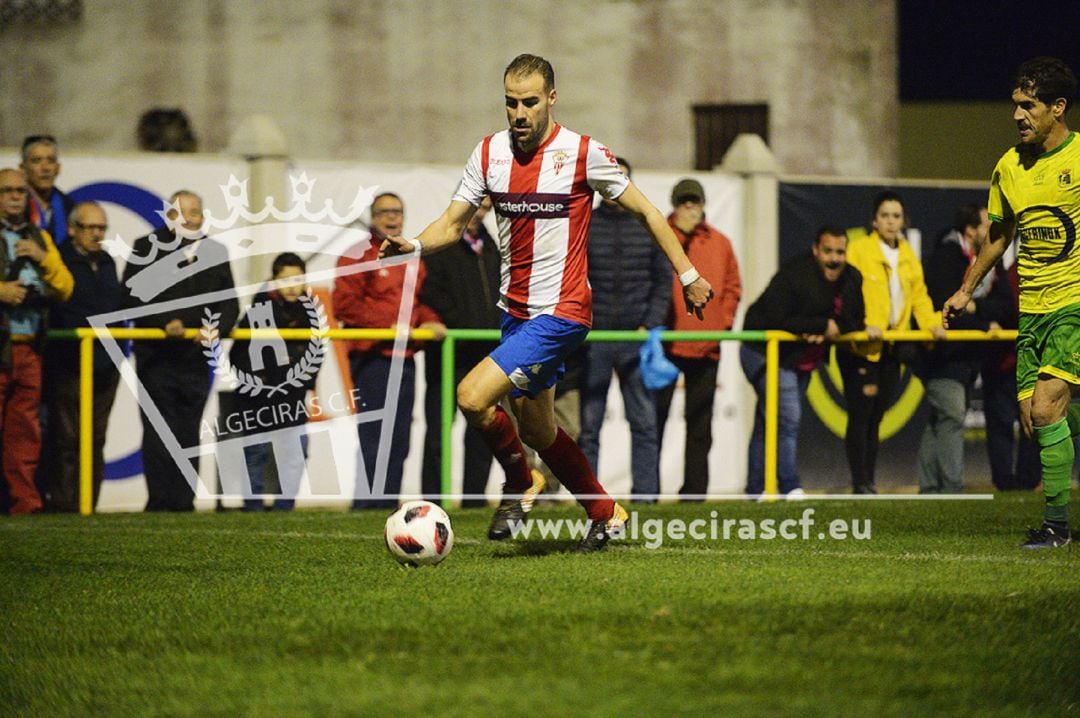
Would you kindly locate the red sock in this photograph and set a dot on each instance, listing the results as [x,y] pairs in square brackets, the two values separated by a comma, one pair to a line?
[502,438]
[570,467]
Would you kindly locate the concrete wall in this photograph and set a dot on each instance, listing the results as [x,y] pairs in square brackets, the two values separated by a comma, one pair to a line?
[954,140]
[420,80]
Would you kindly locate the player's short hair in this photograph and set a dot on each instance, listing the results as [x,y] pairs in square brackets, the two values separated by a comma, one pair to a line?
[287,259]
[622,161]
[886,196]
[968,215]
[525,65]
[828,230]
[31,140]
[1047,79]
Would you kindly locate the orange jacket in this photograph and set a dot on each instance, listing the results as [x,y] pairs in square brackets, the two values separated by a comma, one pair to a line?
[711,254]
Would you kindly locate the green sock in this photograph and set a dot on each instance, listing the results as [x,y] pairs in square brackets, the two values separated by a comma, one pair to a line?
[1056,456]
[1073,417]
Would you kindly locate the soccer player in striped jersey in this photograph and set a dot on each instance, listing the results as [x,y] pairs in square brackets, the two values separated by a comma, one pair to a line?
[541,178]
[1035,196]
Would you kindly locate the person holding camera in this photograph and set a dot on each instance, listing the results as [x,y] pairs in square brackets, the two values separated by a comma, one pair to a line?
[33,273]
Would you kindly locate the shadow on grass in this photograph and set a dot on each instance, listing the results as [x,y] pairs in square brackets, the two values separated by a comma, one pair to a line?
[517,549]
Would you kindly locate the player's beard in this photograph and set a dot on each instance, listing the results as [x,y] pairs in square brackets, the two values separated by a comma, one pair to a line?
[530,140]
[522,141]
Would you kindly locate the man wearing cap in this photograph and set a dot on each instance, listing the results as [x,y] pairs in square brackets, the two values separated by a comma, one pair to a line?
[711,253]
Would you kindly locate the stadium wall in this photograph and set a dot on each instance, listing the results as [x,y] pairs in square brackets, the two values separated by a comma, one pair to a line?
[419,82]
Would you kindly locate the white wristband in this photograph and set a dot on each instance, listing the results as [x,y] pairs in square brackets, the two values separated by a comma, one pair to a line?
[419,247]
[689,277]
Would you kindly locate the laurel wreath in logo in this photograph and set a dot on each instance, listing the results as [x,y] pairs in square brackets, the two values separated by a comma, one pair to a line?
[250,383]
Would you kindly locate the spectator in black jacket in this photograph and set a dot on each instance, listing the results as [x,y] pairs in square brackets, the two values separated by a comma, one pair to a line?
[288,373]
[175,377]
[817,296]
[462,286]
[949,370]
[97,291]
[631,283]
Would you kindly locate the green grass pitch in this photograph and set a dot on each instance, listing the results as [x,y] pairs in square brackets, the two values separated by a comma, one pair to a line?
[938,613]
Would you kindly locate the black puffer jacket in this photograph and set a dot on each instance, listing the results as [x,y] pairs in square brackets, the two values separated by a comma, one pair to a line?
[630,277]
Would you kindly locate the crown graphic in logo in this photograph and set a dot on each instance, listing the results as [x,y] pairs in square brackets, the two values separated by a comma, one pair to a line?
[247,234]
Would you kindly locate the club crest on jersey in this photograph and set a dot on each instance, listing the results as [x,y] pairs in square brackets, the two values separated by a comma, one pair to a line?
[1065,178]
[559,160]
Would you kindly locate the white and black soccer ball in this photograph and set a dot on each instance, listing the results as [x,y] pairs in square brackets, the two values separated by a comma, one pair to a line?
[419,534]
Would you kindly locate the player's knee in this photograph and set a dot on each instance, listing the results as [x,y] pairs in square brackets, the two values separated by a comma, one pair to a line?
[1044,414]
[470,402]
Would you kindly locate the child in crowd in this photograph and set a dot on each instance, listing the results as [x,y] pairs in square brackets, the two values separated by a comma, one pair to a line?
[273,385]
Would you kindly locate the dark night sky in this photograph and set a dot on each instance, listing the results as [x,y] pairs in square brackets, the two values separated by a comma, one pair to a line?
[970,49]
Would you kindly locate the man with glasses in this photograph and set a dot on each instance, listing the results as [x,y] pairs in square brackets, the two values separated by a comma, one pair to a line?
[97,291]
[49,207]
[31,273]
[372,299]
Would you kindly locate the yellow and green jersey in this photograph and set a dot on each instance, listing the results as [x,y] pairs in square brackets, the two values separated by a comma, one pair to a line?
[1041,194]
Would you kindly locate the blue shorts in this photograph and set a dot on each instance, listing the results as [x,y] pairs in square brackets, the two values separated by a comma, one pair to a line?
[532,351]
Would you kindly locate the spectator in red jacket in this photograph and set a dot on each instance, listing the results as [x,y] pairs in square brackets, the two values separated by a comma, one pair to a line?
[372,299]
[710,251]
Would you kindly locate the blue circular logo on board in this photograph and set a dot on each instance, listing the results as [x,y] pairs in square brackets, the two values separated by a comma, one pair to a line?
[146,204]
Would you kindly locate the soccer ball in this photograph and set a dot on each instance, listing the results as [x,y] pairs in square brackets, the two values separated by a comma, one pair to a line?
[419,534]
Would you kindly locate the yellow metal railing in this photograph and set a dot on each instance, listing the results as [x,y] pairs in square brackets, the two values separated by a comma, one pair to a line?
[771,338]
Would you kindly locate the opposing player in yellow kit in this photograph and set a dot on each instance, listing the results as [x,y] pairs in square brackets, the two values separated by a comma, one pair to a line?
[1035,196]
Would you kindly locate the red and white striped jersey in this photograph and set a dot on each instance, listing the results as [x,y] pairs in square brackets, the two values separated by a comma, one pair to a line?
[543,204]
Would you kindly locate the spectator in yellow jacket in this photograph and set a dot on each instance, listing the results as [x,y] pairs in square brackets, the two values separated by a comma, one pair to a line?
[894,293]
[31,274]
